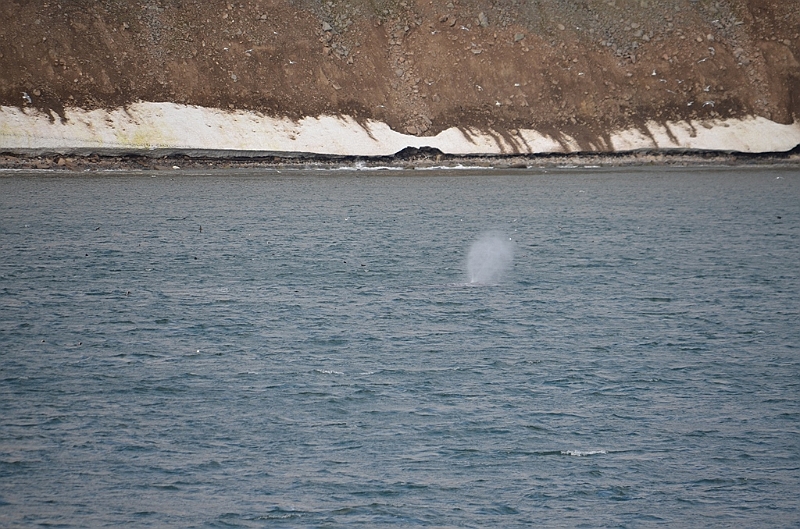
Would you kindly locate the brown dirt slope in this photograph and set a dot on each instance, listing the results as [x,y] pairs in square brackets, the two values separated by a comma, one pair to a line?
[582,67]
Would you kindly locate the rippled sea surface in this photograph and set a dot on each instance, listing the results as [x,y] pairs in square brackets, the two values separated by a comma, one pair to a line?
[306,348]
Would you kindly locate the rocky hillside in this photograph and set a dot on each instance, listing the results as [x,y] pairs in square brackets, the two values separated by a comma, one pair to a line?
[579,67]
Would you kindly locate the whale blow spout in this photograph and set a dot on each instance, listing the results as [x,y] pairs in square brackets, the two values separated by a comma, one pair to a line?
[489,257]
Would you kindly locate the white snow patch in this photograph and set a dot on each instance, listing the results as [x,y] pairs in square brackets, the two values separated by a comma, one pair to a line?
[147,126]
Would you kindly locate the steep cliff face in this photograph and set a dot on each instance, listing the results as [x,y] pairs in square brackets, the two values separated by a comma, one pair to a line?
[577,68]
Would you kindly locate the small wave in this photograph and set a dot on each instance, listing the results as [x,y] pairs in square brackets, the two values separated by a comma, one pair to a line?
[359,166]
[165,487]
[329,372]
[451,167]
[582,453]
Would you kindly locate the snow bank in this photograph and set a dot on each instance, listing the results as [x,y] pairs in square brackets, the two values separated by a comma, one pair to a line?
[145,126]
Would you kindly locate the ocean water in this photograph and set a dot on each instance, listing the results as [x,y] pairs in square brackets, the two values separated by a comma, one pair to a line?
[595,347]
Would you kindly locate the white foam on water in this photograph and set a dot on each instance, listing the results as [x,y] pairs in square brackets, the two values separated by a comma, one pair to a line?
[457,167]
[582,453]
[329,372]
[361,166]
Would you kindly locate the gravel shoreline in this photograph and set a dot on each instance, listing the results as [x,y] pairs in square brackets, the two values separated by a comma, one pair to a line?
[407,159]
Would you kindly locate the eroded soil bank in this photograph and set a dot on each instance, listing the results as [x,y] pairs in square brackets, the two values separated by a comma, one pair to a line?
[563,67]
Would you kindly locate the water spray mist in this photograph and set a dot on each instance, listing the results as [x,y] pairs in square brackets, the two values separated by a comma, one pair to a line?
[489,257]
